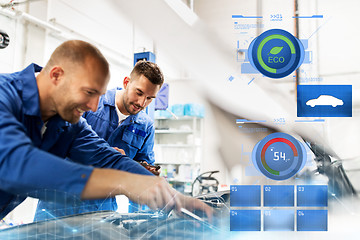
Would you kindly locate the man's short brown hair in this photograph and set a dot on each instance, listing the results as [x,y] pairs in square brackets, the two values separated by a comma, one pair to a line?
[77,52]
[149,70]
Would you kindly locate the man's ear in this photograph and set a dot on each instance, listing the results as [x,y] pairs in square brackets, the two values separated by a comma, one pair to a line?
[56,73]
[126,82]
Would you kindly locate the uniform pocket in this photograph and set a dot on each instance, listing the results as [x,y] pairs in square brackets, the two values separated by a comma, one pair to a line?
[134,137]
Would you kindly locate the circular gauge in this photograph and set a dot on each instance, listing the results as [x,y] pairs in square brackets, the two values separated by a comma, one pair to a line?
[278,156]
[276,53]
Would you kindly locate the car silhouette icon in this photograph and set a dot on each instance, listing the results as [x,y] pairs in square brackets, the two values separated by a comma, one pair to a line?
[325,100]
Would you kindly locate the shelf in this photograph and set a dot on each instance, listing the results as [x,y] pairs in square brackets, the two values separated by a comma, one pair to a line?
[173,137]
[173,131]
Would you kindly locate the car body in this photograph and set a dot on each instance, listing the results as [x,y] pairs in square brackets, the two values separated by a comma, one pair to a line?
[109,225]
[325,100]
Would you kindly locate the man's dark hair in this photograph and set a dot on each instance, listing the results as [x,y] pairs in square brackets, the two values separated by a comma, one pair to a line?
[150,70]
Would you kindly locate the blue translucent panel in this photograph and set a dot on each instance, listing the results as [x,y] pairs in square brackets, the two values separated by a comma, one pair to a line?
[324,100]
[278,195]
[248,68]
[312,195]
[278,220]
[245,195]
[245,220]
[312,220]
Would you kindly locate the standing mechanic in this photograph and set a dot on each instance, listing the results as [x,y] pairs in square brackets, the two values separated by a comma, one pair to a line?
[41,125]
[119,119]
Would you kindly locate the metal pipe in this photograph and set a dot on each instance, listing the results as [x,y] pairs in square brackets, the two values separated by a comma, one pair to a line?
[40,23]
[57,32]
[29,18]
[110,53]
[8,13]
[258,13]
[191,5]
[296,31]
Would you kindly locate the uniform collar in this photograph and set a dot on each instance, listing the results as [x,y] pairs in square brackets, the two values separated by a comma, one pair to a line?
[109,97]
[30,92]
[137,118]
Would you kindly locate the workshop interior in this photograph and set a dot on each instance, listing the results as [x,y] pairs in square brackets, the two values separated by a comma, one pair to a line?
[258,117]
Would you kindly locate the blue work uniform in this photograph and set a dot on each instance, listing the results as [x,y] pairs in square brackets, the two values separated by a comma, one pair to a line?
[35,165]
[135,135]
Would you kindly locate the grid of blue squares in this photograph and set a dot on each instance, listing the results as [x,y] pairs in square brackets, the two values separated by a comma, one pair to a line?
[275,197]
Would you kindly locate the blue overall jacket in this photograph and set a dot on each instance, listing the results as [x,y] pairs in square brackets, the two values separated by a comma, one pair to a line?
[55,167]
[135,135]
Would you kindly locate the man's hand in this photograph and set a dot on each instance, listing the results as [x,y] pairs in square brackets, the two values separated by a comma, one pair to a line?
[158,194]
[120,150]
[153,169]
[153,191]
[193,204]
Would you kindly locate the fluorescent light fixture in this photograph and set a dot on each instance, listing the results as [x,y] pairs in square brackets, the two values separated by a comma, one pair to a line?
[183,11]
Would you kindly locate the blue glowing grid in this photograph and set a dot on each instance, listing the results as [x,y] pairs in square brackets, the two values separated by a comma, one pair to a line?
[245,195]
[245,220]
[278,220]
[312,220]
[312,195]
[278,195]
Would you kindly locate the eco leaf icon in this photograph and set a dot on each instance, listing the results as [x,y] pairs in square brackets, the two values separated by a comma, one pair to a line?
[275,50]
